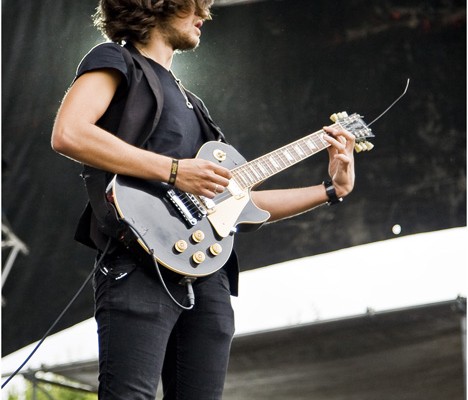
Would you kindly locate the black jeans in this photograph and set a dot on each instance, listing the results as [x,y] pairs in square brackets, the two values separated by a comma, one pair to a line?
[143,335]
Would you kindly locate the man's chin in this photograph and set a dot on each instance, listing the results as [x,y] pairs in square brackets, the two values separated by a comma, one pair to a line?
[187,47]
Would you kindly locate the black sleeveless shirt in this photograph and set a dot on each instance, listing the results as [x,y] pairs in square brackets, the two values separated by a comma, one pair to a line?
[178,133]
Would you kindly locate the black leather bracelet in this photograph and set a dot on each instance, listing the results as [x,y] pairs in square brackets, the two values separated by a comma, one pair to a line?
[174,167]
[331,193]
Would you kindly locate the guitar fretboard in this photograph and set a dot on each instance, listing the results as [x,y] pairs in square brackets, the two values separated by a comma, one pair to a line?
[262,168]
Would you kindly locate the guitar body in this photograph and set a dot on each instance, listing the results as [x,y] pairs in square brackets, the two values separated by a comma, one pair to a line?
[180,232]
[193,235]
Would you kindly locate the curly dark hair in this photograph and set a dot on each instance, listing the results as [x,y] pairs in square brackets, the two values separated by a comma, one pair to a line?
[132,20]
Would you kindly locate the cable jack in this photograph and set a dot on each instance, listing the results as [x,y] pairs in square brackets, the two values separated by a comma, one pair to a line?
[187,281]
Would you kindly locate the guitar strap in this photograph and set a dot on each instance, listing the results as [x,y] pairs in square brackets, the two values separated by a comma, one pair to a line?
[137,122]
[208,126]
[99,220]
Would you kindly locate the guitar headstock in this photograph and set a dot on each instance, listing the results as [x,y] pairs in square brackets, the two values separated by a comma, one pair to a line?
[354,124]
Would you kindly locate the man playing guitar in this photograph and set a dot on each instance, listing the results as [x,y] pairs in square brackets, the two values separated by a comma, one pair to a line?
[120,95]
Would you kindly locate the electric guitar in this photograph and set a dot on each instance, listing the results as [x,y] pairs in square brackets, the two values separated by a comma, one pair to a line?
[193,235]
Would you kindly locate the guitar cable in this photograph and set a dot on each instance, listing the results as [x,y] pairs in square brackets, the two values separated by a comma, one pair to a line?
[186,280]
[79,291]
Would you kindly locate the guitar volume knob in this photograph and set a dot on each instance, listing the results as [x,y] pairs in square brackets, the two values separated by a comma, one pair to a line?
[181,246]
[216,249]
[198,257]
[220,155]
[198,236]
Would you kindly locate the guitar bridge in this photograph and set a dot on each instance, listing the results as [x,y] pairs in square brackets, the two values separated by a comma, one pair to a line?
[187,205]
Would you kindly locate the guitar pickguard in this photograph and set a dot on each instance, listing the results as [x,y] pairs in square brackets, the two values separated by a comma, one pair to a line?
[234,207]
[226,214]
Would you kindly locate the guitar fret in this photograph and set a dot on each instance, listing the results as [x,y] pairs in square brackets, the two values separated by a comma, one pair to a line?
[254,172]
[266,165]
[274,163]
[296,156]
[249,175]
[246,174]
[310,144]
[257,176]
[303,146]
[242,177]
[318,144]
[271,166]
[235,178]
[262,169]
[298,150]
[288,155]
[281,159]
[323,142]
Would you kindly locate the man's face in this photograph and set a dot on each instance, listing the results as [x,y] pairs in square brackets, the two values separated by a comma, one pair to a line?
[183,33]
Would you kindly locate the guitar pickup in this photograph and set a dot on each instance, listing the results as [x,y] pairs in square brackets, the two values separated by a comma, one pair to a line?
[235,189]
[188,206]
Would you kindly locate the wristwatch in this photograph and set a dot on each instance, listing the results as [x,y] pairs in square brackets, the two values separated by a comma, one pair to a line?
[331,193]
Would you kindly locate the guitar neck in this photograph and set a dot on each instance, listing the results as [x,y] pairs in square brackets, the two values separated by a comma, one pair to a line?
[256,171]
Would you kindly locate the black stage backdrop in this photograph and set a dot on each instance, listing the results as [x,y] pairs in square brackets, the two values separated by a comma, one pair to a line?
[270,72]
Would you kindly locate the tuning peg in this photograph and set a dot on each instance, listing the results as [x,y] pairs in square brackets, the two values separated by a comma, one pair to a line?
[342,115]
[363,146]
[368,145]
[358,147]
[337,116]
